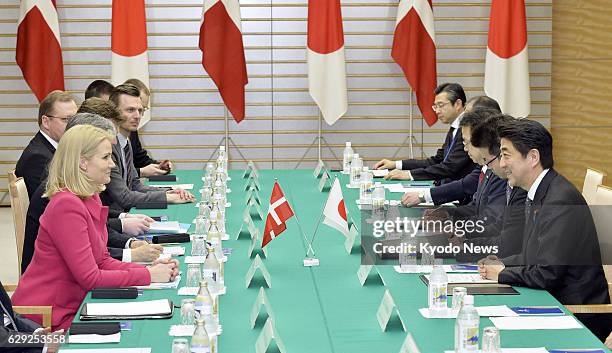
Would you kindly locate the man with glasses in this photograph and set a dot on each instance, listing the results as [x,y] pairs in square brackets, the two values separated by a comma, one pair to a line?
[450,162]
[125,189]
[53,114]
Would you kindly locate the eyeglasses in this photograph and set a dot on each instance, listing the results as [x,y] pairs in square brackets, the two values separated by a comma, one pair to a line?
[439,106]
[498,157]
[62,119]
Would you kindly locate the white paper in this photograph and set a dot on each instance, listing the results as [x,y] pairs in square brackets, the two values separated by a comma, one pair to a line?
[149,307]
[187,331]
[171,227]
[427,269]
[518,350]
[466,278]
[380,173]
[400,188]
[168,285]
[485,311]
[193,291]
[175,186]
[174,250]
[108,350]
[93,338]
[536,323]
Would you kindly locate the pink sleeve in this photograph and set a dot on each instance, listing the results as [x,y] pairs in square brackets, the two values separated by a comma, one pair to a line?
[71,238]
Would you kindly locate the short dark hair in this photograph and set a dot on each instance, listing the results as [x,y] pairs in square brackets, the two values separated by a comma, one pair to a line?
[484,102]
[98,88]
[104,108]
[141,86]
[476,117]
[454,91]
[126,88]
[486,134]
[526,135]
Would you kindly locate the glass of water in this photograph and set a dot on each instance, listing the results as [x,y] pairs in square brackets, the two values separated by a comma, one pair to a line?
[198,245]
[180,345]
[188,312]
[458,294]
[194,275]
[490,340]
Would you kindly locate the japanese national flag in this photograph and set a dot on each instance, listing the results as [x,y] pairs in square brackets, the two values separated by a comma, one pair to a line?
[278,213]
[335,211]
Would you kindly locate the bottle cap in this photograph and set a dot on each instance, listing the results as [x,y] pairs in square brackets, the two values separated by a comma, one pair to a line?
[348,144]
[356,155]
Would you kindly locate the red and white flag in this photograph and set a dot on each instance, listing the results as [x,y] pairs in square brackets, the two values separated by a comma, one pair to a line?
[278,213]
[223,52]
[414,50]
[335,211]
[507,62]
[129,45]
[326,63]
[39,49]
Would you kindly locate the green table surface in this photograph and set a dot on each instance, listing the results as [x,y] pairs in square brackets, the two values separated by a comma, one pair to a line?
[321,309]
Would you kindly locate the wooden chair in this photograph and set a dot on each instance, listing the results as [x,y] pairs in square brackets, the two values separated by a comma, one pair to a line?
[19,206]
[44,311]
[12,177]
[592,179]
[603,195]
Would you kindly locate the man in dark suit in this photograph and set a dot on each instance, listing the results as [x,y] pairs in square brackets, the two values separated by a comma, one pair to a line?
[451,162]
[53,114]
[463,189]
[12,322]
[125,189]
[560,250]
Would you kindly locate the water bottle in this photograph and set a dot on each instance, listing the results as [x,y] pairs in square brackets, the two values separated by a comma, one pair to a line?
[210,167]
[378,198]
[211,267]
[366,187]
[356,167]
[467,327]
[438,284]
[204,301]
[213,235]
[200,342]
[221,161]
[347,157]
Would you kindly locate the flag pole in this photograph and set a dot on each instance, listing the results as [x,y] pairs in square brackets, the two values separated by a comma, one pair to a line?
[411,121]
[320,136]
[226,133]
[297,219]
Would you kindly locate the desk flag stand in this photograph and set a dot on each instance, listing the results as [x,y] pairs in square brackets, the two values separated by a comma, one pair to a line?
[226,141]
[318,139]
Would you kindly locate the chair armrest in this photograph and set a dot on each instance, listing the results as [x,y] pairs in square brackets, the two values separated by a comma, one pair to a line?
[590,309]
[45,311]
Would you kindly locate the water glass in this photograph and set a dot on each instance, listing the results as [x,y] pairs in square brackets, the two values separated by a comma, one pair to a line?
[198,245]
[194,275]
[180,345]
[427,259]
[490,340]
[188,312]
[458,294]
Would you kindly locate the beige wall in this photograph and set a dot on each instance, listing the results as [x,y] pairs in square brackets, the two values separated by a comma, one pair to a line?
[581,120]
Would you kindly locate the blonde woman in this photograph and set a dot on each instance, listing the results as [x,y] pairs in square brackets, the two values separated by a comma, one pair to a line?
[71,256]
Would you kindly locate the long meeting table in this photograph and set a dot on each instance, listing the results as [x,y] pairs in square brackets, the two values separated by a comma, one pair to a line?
[322,309]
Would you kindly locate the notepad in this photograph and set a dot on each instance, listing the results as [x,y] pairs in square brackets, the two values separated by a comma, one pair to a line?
[475,278]
[93,338]
[536,323]
[484,311]
[171,227]
[149,307]
[165,285]
[380,173]
[174,250]
[174,186]
[518,350]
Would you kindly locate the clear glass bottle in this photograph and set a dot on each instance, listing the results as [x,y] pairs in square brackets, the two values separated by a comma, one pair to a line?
[200,341]
[213,235]
[355,170]
[347,157]
[211,268]
[467,327]
[204,301]
[366,187]
[437,290]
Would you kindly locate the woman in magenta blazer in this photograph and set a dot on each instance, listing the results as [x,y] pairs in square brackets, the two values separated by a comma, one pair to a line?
[70,256]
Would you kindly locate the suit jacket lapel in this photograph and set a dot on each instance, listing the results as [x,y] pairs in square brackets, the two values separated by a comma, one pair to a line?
[537,205]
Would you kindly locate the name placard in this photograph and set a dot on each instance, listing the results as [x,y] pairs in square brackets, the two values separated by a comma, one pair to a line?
[261,301]
[318,169]
[258,264]
[324,181]
[409,345]
[350,239]
[268,333]
[386,309]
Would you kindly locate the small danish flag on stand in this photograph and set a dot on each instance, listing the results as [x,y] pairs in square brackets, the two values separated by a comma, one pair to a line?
[279,212]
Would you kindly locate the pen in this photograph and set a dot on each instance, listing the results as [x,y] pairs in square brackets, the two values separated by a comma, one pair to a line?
[412,185]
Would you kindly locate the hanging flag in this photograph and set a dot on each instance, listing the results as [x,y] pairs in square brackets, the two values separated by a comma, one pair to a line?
[278,213]
[326,64]
[223,52]
[334,212]
[129,45]
[414,50]
[507,62]
[39,49]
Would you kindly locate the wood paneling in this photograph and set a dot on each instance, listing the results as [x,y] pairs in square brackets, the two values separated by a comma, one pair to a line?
[581,121]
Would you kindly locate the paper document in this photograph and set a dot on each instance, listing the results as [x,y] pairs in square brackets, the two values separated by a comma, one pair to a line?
[187,331]
[171,227]
[93,338]
[174,250]
[174,186]
[473,278]
[107,350]
[536,323]
[149,307]
[400,188]
[167,285]
[380,173]
[427,269]
[485,311]
[518,350]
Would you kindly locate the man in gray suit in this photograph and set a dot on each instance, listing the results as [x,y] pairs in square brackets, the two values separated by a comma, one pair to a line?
[125,189]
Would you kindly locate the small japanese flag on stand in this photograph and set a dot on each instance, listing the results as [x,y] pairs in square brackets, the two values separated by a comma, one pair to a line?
[334,212]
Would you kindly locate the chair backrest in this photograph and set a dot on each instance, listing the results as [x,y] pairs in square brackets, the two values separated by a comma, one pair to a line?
[19,205]
[592,179]
[603,195]
[12,176]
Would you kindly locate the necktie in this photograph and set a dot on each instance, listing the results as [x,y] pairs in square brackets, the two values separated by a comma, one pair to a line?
[129,162]
[450,141]
[508,193]
[528,206]
[481,177]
